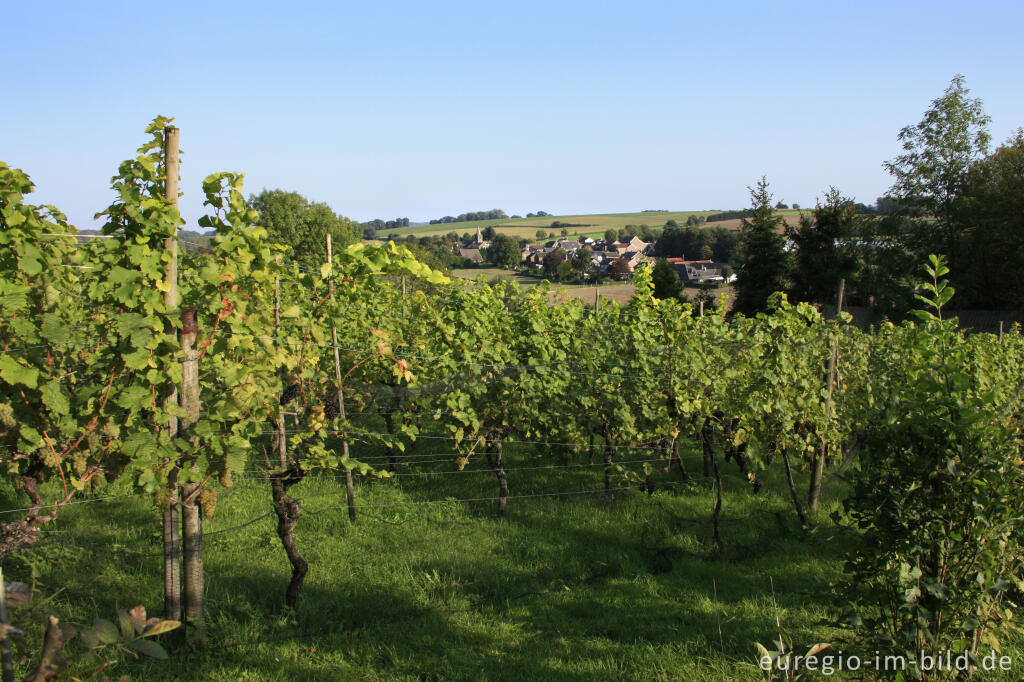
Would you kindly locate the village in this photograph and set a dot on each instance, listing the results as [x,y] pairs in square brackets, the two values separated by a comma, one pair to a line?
[590,258]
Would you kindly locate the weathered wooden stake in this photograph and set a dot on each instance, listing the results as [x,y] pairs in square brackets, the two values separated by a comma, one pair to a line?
[349,489]
[191,509]
[171,541]
[818,473]
[282,443]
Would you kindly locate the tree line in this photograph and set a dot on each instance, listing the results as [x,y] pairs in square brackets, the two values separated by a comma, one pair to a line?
[493,214]
[372,227]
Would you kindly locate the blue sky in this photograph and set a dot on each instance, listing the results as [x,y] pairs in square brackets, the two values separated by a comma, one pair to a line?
[412,109]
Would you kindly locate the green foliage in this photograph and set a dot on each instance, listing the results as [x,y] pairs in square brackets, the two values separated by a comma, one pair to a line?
[825,251]
[666,280]
[292,220]
[493,214]
[583,261]
[764,265]
[99,645]
[939,151]
[937,497]
[504,251]
[989,218]
[694,243]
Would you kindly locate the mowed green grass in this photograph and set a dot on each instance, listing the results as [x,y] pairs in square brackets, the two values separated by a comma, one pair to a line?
[617,291]
[572,587]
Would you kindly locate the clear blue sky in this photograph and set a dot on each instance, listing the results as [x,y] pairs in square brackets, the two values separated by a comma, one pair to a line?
[422,109]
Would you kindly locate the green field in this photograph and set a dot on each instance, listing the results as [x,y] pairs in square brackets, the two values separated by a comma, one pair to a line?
[526,228]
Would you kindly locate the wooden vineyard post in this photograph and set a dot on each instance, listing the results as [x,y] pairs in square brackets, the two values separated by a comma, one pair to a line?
[814,495]
[191,509]
[172,546]
[282,443]
[349,490]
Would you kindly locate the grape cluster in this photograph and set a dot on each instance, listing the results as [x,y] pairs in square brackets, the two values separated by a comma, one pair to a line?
[289,394]
[331,409]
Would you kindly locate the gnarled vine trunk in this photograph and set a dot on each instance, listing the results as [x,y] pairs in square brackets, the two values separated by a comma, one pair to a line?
[288,512]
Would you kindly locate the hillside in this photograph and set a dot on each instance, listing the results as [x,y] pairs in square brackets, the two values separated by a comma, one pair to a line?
[595,223]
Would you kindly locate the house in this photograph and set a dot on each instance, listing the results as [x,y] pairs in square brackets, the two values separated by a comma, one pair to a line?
[696,272]
[634,258]
[681,264]
[473,255]
[534,259]
[634,244]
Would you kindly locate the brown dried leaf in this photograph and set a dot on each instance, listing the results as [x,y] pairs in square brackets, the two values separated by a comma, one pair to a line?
[159,627]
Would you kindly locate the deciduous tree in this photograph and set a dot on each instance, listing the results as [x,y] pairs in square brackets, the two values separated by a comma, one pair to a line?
[504,251]
[939,151]
[292,220]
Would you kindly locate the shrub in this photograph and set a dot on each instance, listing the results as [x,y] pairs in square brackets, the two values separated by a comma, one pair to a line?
[938,501]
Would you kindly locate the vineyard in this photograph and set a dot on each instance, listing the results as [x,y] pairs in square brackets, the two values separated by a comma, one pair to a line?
[160,404]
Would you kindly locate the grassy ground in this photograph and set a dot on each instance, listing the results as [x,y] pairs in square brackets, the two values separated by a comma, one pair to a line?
[617,291]
[568,587]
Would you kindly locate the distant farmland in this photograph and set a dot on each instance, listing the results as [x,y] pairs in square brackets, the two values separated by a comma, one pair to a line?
[596,223]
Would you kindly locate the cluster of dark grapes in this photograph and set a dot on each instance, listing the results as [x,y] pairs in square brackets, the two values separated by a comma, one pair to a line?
[289,394]
[330,409]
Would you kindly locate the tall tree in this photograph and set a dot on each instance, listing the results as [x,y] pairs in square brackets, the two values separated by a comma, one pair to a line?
[990,214]
[824,249]
[504,251]
[582,260]
[763,261]
[939,151]
[301,225]
[932,175]
[666,280]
